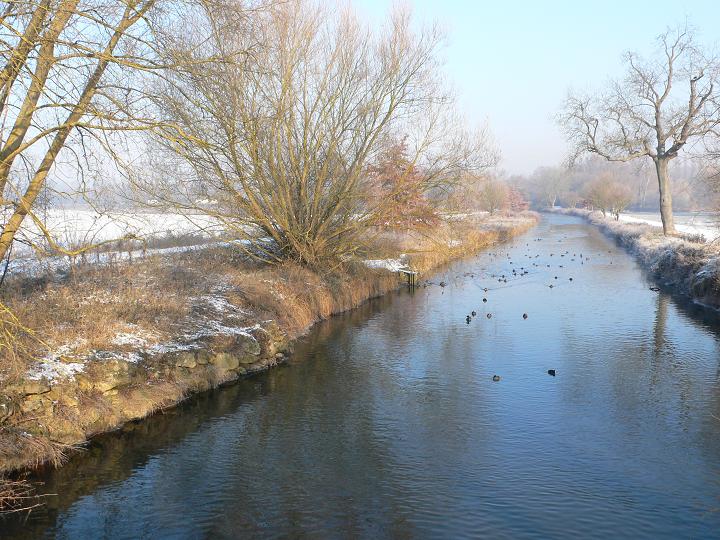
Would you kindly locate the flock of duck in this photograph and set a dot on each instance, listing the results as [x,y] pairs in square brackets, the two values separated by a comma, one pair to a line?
[519,272]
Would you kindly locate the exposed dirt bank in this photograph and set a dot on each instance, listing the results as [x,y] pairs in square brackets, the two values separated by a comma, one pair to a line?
[128,341]
[685,263]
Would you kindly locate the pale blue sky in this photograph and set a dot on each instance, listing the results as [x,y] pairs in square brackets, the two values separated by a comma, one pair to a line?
[512,62]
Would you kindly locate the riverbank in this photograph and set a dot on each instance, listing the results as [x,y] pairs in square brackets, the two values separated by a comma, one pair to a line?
[124,341]
[387,418]
[686,263]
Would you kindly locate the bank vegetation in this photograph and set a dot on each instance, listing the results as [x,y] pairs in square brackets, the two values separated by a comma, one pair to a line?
[316,143]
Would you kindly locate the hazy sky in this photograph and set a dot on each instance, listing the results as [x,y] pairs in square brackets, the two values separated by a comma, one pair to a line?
[513,62]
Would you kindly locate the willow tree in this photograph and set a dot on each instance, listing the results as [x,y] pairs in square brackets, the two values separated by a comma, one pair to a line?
[660,106]
[277,140]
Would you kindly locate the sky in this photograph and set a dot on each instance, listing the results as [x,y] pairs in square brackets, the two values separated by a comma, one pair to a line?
[512,63]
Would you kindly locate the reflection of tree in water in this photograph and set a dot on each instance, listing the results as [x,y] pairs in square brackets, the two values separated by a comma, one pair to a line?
[397,403]
[662,346]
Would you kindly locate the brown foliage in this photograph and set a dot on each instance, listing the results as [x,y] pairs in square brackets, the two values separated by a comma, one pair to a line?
[398,189]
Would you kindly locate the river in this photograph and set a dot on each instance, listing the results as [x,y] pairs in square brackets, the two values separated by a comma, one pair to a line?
[387,422]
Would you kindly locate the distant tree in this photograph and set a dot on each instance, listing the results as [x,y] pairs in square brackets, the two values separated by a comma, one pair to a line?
[653,112]
[607,195]
[400,185]
[516,200]
[547,184]
[597,195]
[571,199]
[494,196]
[620,198]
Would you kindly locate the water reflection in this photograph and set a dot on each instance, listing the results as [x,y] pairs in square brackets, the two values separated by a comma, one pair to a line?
[387,423]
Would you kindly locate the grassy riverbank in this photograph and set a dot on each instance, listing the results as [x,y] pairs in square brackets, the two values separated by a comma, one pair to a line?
[686,263]
[120,342]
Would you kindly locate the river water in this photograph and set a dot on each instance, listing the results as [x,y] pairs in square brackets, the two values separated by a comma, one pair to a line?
[387,422]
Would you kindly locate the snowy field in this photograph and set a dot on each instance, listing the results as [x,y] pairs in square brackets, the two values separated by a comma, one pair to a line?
[75,228]
[81,227]
[705,223]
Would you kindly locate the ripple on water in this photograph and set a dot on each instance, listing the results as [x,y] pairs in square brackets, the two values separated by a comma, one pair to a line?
[387,422]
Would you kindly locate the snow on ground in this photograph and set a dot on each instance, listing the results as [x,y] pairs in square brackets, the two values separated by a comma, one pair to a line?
[73,228]
[31,265]
[78,226]
[65,361]
[53,370]
[706,224]
[394,265]
[52,367]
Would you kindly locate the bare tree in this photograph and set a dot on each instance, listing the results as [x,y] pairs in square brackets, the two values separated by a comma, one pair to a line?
[283,132]
[547,184]
[608,195]
[62,75]
[653,112]
[494,195]
[620,198]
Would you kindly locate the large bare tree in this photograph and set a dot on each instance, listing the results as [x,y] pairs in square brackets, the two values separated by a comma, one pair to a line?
[277,140]
[660,106]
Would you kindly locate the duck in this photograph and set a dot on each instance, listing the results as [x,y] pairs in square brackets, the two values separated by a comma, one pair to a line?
[473,313]
[551,372]
[525,315]
[496,378]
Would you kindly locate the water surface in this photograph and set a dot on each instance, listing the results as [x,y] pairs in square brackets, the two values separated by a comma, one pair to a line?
[387,423]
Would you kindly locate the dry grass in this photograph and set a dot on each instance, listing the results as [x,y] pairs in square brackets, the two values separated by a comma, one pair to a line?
[297,297]
[456,239]
[162,298]
[18,448]
[157,297]
[99,302]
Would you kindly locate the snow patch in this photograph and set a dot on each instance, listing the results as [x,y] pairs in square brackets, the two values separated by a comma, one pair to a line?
[129,339]
[53,370]
[394,265]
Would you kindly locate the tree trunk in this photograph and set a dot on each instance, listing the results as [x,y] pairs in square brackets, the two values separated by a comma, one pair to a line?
[666,212]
